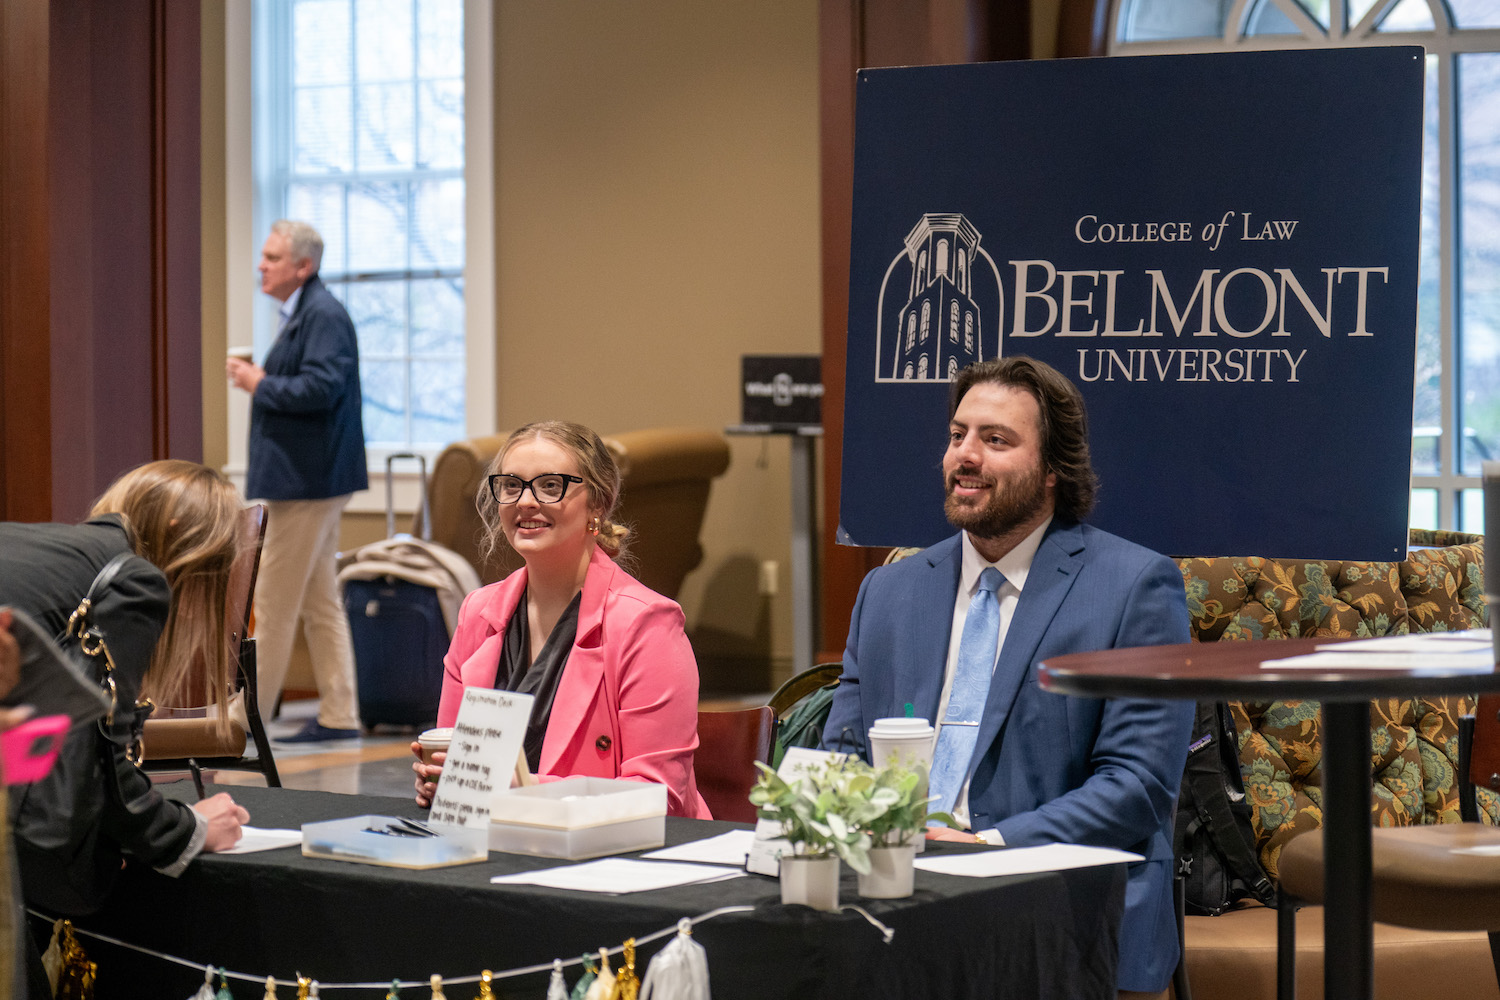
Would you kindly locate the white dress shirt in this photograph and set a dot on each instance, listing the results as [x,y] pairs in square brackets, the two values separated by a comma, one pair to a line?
[1014,566]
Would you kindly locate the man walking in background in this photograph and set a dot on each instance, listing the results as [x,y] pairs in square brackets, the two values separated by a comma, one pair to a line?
[307,456]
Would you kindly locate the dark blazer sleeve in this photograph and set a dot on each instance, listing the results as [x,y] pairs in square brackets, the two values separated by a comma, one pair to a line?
[845,728]
[146,825]
[1135,765]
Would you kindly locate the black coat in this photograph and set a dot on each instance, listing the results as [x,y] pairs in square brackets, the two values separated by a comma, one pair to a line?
[45,570]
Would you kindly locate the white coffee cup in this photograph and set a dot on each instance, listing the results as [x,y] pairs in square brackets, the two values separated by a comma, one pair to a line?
[243,353]
[434,741]
[903,741]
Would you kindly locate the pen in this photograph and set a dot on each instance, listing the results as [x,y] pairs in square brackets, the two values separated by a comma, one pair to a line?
[197,778]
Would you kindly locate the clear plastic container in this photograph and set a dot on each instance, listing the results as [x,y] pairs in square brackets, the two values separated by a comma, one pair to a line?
[579,818]
[373,840]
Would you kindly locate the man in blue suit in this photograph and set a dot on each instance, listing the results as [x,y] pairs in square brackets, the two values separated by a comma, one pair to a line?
[1016,764]
[307,456]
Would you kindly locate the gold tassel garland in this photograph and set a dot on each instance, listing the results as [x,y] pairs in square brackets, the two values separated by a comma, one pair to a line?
[627,983]
[76,974]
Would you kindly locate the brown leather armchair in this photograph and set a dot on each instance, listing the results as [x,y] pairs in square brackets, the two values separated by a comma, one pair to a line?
[667,473]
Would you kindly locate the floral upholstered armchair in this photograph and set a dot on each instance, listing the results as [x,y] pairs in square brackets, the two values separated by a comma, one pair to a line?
[1414,740]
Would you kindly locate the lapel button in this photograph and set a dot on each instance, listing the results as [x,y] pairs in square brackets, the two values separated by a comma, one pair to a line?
[603,743]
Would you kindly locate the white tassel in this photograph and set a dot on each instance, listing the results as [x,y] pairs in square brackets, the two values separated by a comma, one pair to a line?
[679,971]
[52,959]
[270,988]
[604,983]
[557,988]
[436,982]
[206,991]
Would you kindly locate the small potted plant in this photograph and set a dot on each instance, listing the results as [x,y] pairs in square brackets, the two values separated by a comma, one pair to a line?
[844,809]
[823,813]
[901,788]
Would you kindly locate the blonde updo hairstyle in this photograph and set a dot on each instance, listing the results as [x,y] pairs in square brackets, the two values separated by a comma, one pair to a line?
[596,465]
[184,519]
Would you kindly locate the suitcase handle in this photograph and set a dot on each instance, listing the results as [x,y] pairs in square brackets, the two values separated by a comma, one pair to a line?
[390,497]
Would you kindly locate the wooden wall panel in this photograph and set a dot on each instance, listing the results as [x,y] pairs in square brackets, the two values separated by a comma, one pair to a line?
[99,332]
[25,452]
[855,34]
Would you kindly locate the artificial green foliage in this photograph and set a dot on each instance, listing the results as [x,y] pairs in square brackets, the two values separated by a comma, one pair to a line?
[844,807]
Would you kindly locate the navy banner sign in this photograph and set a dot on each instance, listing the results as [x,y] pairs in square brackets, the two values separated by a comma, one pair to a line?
[1219,250]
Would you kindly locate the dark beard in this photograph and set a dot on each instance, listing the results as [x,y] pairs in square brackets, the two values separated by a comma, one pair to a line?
[1010,505]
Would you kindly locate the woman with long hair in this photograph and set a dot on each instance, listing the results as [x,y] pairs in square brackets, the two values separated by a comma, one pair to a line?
[606,659]
[162,616]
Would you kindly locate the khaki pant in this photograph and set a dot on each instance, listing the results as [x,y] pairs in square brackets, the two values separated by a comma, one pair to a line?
[298,586]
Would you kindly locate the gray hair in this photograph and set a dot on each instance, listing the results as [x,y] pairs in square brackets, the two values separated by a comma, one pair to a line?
[304,240]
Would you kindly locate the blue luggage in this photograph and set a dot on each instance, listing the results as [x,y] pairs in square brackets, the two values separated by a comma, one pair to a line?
[399,644]
[402,597]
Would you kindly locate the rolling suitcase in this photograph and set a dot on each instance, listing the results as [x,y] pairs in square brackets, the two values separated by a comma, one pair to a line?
[402,596]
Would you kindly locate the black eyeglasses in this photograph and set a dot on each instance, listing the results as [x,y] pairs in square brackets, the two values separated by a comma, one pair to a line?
[549,487]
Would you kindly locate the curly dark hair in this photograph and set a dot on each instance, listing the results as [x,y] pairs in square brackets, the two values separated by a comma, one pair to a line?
[1063,424]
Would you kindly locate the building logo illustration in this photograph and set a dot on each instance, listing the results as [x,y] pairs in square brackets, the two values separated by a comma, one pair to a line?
[940,295]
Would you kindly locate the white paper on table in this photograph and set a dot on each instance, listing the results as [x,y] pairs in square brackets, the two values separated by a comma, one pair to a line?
[1479,661]
[620,875]
[729,848]
[770,845]
[1435,642]
[1482,851]
[254,838]
[1025,860]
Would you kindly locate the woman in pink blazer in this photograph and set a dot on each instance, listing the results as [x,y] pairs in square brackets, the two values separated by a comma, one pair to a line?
[605,657]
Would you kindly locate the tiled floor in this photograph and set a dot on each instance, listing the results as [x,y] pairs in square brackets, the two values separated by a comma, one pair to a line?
[372,765]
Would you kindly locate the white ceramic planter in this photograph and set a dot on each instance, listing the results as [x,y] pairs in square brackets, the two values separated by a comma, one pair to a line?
[810,881]
[891,873]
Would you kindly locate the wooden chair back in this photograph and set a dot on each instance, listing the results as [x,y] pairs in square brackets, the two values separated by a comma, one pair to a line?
[729,744]
[185,737]
[1484,756]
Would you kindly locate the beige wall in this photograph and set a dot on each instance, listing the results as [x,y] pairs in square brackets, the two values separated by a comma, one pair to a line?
[656,191]
[656,198]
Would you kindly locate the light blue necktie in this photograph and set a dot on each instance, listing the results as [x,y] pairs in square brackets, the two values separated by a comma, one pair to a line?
[970,690]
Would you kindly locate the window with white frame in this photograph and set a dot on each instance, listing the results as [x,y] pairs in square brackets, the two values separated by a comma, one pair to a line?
[1457,417]
[359,128]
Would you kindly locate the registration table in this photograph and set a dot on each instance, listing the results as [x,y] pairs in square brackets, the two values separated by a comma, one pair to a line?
[1220,671]
[276,912]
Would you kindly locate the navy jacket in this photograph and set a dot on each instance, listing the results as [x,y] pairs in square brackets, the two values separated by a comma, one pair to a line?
[1047,768]
[307,439]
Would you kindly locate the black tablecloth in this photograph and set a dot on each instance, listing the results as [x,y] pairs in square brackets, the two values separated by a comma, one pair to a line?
[276,912]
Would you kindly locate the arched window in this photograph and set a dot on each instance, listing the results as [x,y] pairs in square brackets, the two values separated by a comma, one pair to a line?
[963,272]
[953,321]
[942,259]
[969,332]
[922,366]
[911,330]
[922,270]
[1458,290]
[926,319]
[906,372]
[952,366]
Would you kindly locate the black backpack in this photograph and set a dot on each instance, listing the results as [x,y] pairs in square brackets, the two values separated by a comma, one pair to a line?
[1213,838]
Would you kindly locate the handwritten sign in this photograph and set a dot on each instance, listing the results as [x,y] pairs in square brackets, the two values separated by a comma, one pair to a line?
[487,737]
[770,845]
